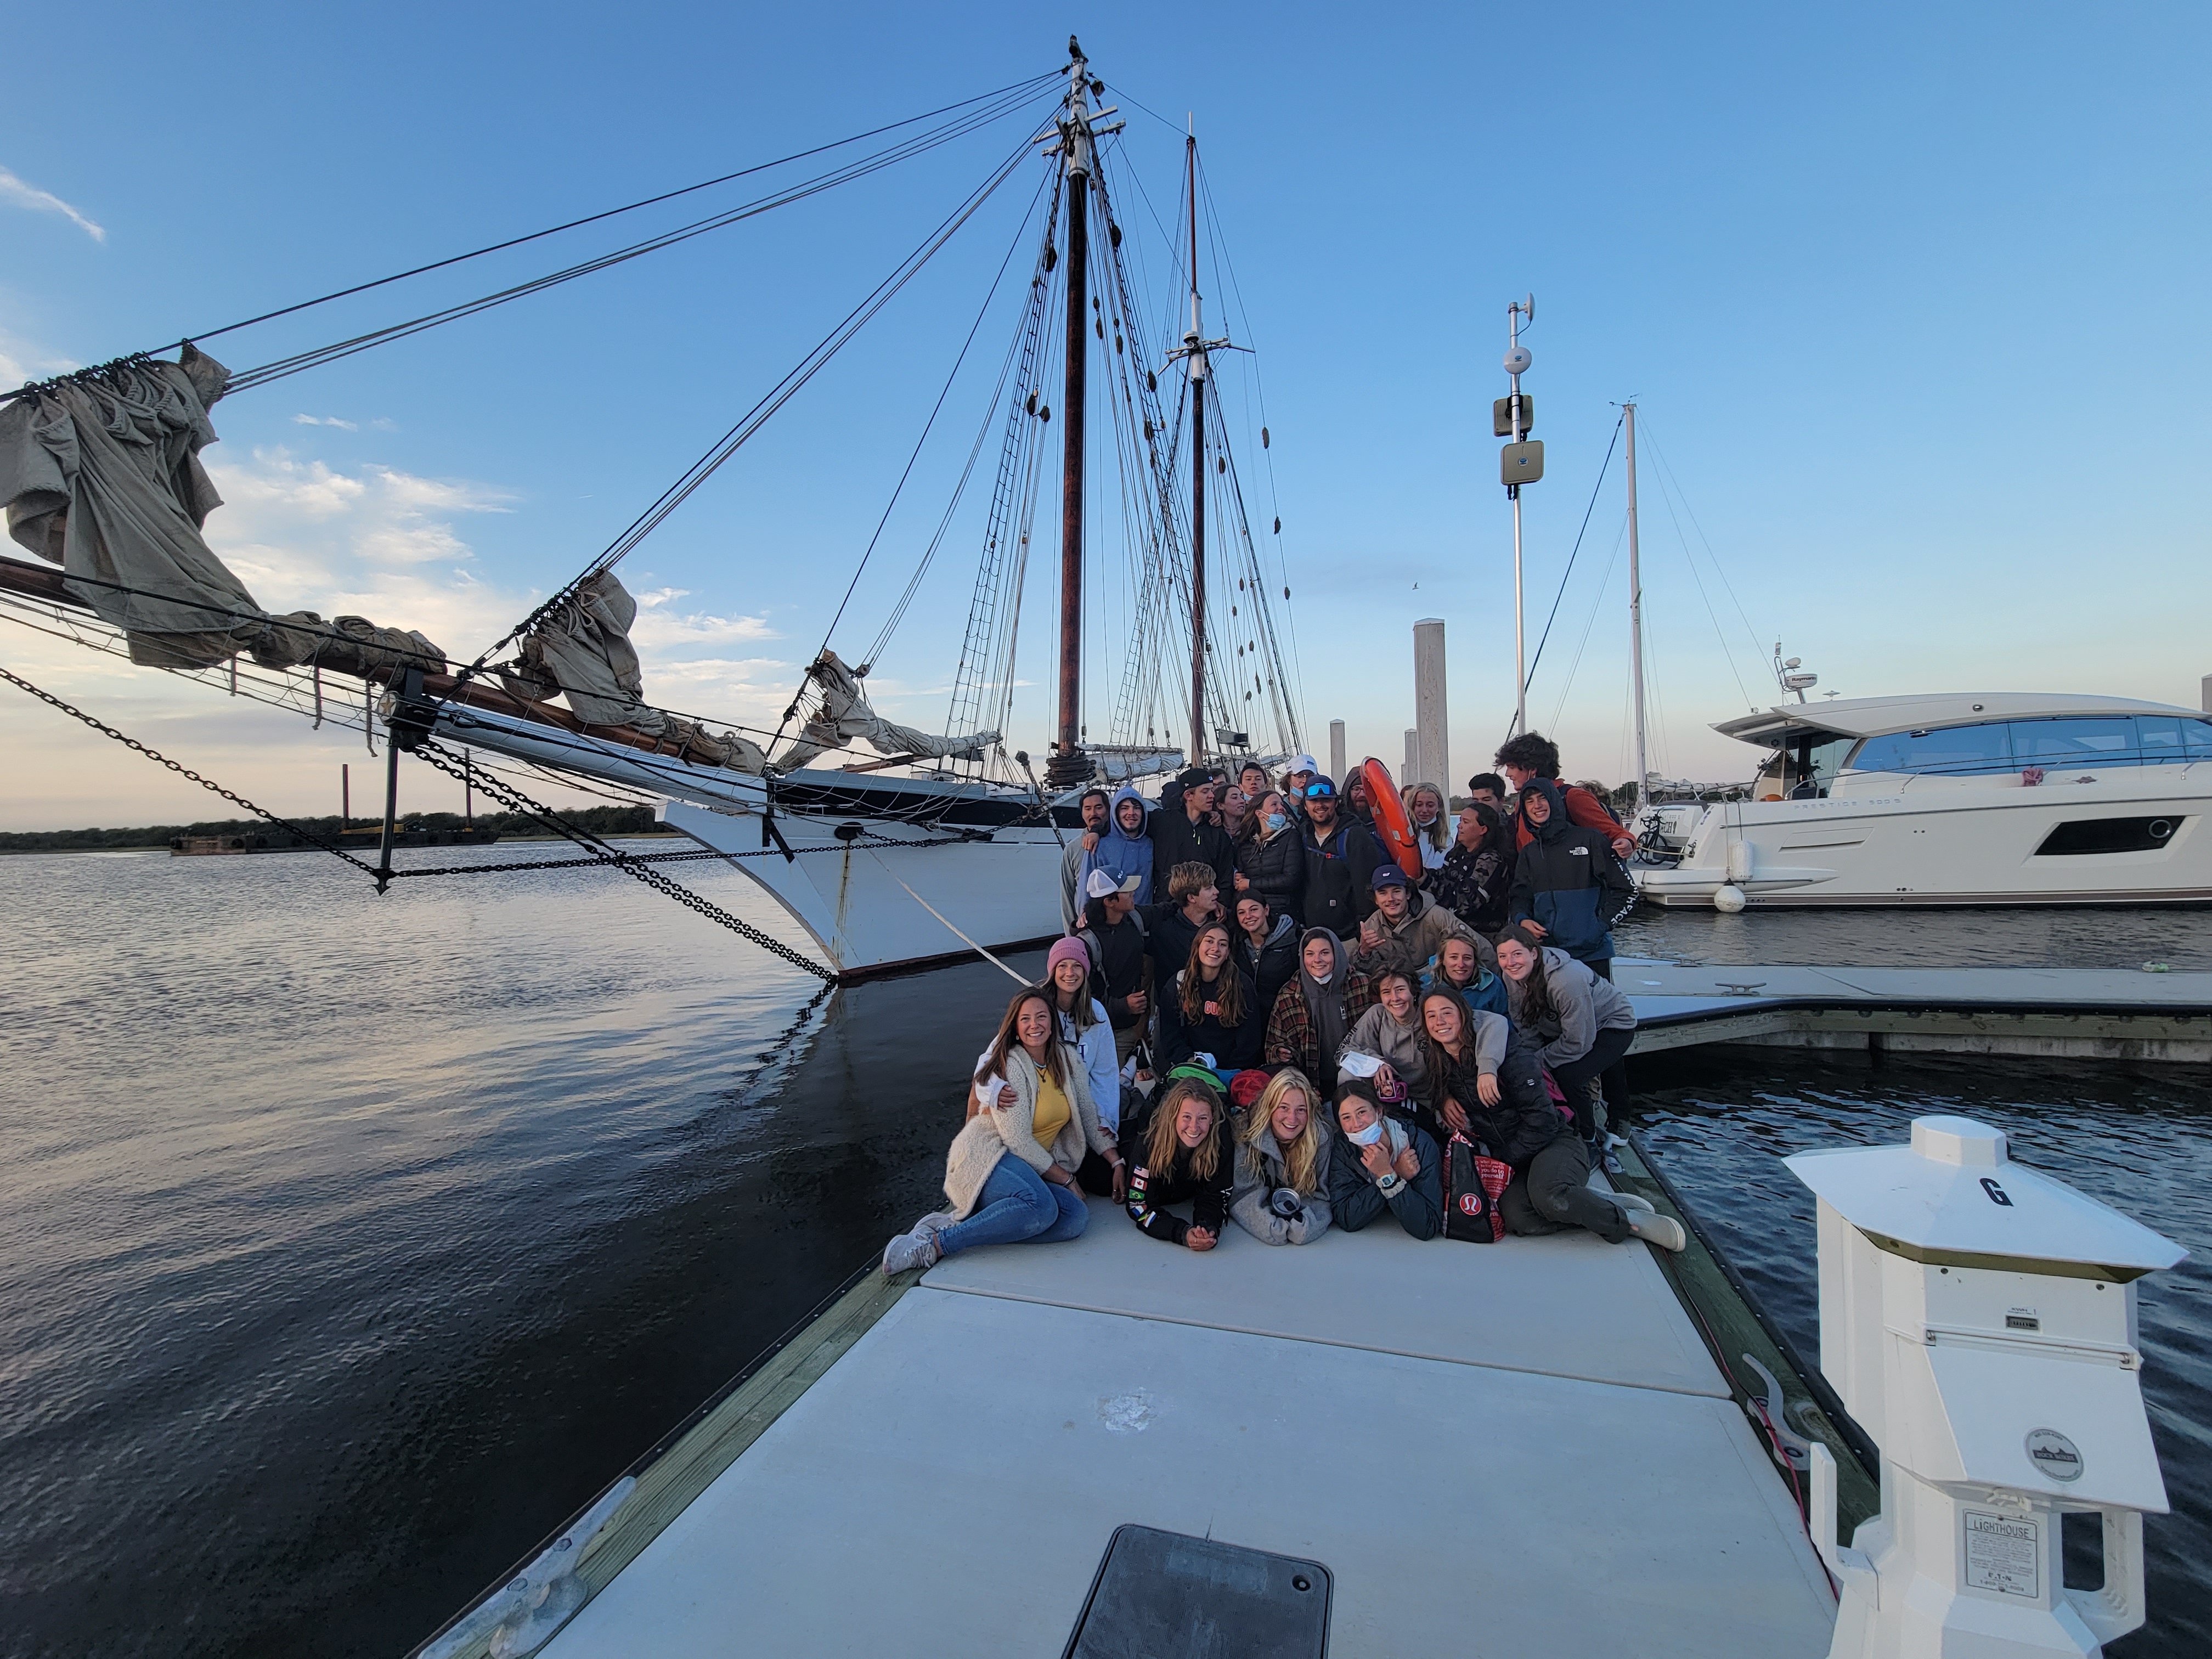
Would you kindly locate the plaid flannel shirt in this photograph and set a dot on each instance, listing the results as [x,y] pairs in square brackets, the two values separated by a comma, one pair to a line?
[1291,1040]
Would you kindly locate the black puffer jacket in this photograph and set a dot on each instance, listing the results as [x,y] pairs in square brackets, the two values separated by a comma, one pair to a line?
[1522,1123]
[1277,870]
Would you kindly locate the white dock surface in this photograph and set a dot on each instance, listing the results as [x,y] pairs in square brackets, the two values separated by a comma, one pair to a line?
[1519,1448]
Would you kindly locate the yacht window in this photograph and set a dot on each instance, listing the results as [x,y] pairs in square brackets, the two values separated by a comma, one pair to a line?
[2107,742]
[2199,733]
[2162,739]
[1954,750]
[1826,759]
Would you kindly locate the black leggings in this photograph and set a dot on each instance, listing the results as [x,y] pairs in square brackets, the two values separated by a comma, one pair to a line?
[1603,1061]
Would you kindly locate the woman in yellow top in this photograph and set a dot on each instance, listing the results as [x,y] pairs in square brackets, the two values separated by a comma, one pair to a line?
[1011,1174]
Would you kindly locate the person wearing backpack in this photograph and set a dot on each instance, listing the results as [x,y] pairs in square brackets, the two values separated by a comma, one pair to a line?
[1487,1086]
[1569,888]
[1381,1163]
[1341,857]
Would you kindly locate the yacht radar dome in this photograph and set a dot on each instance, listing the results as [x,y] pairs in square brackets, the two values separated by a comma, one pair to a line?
[1517,360]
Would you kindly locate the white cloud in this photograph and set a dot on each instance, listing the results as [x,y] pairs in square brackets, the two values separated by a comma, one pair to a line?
[20,361]
[326,420]
[16,193]
[659,627]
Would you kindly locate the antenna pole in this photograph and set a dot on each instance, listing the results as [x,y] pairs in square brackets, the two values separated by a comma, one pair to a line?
[1069,765]
[1514,313]
[1195,343]
[1635,613]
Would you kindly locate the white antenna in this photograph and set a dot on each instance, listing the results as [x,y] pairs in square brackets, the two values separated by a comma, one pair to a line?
[1519,462]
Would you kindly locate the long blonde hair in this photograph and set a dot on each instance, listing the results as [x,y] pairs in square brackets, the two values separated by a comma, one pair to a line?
[1302,1158]
[1437,833]
[1162,1144]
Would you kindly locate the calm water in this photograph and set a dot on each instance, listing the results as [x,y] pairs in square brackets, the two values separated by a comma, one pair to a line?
[348,1245]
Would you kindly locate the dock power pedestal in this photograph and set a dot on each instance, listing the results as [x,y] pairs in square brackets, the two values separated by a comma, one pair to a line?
[1978,1320]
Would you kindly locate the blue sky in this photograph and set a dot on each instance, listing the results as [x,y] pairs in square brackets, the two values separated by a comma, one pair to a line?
[1910,297]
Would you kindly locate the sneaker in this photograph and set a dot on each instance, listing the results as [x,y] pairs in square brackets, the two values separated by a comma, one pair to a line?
[1634,1203]
[933,1224]
[908,1250]
[1662,1230]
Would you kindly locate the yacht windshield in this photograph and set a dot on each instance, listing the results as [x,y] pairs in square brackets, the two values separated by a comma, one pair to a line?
[2097,742]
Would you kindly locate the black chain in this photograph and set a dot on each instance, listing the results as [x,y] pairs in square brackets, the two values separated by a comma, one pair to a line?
[434,755]
[563,864]
[181,770]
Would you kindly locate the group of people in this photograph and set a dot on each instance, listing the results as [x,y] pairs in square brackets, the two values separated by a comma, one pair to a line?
[1257,1011]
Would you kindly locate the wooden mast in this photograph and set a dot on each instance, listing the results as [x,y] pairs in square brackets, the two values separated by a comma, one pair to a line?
[1196,343]
[1069,765]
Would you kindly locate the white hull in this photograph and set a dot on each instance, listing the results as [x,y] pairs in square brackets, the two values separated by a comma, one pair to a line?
[1892,840]
[996,881]
[1002,893]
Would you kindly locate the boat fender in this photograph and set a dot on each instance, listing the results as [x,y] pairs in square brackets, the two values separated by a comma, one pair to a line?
[1728,899]
[533,1605]
[1738,861]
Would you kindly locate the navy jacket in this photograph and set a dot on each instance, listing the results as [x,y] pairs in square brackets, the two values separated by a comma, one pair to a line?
[1569,879]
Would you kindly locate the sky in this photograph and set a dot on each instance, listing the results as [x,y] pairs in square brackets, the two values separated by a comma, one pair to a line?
[1909,300]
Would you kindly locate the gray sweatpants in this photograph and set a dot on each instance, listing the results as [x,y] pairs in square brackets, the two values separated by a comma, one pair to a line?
[1554,1192]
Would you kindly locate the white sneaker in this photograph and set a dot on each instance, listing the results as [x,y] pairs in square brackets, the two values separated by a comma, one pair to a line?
[908,1250]
[1661,1230]
[1634,1203]
[934,1223]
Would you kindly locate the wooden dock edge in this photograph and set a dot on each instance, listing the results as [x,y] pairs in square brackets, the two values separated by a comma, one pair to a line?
[2174,1037]
[688,1459]
[1734,1325]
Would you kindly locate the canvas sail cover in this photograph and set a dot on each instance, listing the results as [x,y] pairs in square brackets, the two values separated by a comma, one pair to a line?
[101,473]
[582,651]
[844,717]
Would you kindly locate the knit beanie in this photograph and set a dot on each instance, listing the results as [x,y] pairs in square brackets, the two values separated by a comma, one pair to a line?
[1065,950]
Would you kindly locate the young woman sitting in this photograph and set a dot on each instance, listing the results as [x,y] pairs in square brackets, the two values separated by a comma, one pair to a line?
[1085,1028]
[1211,1008]
[1581,1024]
[1492,1091]
[1266,947]
[1183,1154]
[1382,1162]
[1315,1012]
[1460,969]
[1011,1174]
[1390,1033]
[1281,1194]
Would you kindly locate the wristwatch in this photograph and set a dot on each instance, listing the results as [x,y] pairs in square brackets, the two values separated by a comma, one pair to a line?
[1389,1183]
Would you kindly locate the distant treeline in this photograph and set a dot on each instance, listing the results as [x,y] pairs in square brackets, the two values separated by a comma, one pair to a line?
[600,820]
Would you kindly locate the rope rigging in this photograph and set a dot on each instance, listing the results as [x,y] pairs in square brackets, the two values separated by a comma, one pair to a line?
[969,115]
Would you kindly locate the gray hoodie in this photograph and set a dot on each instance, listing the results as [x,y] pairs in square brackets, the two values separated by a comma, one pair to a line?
[1582,1004]
[1250,1195]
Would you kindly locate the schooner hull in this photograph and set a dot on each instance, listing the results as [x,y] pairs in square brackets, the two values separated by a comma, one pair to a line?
[869,856]
[867,900]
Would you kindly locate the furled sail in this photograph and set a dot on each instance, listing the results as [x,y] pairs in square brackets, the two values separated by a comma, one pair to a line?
[844,716]
[581,650]
[100,474]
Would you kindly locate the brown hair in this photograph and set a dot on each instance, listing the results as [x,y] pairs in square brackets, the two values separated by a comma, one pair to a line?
[1190,879]
[1229,996]
[1008,1040]
[1441,1063]
[1162,1143]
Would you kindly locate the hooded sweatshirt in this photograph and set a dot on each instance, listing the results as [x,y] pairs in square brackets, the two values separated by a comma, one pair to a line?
[1120,853]
[1312,1018]
[1570,880]
[1260,1171]
[1582,1005]
[1273,965]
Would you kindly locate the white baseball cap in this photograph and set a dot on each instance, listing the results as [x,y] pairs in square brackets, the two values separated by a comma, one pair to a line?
[1102,884]
[1305,763]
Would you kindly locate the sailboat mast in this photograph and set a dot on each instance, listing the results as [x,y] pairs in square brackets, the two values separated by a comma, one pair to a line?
[1635,614]
[1195,341]
[1069,765]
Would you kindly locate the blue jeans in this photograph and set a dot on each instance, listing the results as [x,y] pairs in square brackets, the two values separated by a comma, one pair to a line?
[1017,1206]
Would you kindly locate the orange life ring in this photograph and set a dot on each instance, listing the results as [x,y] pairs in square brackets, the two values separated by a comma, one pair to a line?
[1391,822]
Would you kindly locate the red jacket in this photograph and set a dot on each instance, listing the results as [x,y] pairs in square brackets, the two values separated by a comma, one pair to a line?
[1582,808]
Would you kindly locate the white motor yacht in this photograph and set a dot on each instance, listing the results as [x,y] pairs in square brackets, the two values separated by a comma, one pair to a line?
[2001,798]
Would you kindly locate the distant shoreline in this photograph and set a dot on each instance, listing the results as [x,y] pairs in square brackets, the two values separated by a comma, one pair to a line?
[155,837]
[163,847]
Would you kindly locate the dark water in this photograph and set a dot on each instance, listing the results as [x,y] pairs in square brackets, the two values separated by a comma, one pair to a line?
[2138,1137]
[348,1245]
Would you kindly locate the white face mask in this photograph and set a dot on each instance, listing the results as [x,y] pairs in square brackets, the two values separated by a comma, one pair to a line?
[1366,1137]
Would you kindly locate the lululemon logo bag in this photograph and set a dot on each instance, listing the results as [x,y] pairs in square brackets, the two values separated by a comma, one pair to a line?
[1473,1182]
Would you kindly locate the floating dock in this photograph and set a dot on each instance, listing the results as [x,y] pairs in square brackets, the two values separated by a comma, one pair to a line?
[1525,1447]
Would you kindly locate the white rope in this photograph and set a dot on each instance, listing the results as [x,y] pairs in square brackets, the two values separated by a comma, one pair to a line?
[1018,979]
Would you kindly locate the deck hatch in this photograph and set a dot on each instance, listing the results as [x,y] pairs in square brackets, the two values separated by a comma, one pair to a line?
[1168,1596]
